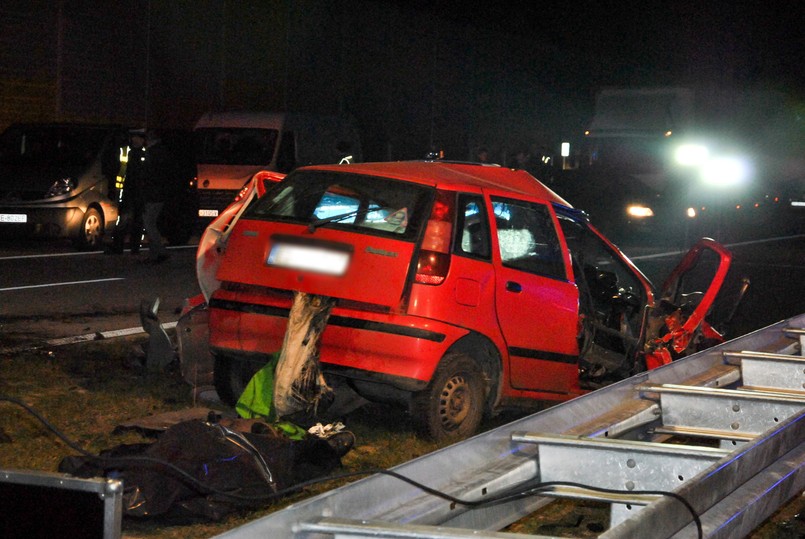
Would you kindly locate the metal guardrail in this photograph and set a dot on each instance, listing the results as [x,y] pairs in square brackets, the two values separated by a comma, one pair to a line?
[738,410]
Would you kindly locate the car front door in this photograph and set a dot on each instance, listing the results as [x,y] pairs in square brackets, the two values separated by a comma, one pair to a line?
[537,305]
[687,297]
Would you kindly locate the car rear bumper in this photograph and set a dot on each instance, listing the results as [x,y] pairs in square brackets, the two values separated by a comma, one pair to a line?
[399,350]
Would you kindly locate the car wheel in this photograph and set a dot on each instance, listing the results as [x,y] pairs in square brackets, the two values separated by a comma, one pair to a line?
[91,231]
[231,375]
[452,405]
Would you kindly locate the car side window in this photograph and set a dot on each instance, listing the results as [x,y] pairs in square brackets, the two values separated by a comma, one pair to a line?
[527,237]
[473,224]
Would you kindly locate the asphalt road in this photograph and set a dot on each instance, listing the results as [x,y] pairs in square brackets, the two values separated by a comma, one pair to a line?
[49,291]
[775,267]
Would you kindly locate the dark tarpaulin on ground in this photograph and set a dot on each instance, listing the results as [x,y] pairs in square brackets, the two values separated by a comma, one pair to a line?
[224,469]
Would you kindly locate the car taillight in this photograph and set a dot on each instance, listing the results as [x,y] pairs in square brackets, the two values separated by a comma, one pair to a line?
[434,255]
[431,268]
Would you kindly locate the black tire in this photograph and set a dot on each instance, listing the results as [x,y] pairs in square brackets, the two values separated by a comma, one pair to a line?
[231,375]
[90,235]
[451,407]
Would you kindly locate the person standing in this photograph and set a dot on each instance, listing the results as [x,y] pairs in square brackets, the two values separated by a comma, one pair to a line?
[157,179]
[131,202]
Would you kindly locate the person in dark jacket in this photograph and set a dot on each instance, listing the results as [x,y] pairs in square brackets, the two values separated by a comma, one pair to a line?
[131,202]
[158,167]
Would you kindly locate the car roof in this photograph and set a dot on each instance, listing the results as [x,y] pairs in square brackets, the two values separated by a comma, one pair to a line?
[81,125]
[241,119]
[453,175]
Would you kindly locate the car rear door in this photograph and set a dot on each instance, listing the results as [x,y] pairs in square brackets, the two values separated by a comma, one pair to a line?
[537,305]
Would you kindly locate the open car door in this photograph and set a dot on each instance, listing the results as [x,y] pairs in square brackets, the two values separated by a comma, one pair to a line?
[677,324]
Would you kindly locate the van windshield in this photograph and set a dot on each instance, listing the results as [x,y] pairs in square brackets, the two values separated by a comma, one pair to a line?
[50,145]
[336,200]
[228,146]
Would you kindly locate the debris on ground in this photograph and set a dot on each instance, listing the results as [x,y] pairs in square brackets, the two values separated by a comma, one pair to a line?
[205,470]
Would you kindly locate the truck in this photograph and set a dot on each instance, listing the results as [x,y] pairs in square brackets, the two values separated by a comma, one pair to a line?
[632,129]
[687,163]
[233,146]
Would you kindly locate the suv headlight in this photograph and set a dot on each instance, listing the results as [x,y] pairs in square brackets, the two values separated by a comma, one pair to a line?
[60,187]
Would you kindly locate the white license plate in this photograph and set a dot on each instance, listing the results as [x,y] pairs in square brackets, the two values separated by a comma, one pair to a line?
[13,218]
[305,257]
[208,213]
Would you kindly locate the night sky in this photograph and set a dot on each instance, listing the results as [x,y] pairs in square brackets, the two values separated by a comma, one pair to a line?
[573,49]
[415,74]
[650,42]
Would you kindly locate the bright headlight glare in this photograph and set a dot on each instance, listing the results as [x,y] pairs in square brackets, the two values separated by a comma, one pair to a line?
[724,171]
[60,187]
[691,154]
[691,213]
[639,211]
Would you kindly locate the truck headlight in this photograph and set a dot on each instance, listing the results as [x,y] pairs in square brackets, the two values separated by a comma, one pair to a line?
[691,154]
[639,211]
[725,172]
[60,187]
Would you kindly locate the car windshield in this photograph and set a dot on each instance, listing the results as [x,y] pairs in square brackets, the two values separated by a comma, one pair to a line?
[228,146]
[50,145]
[362,203]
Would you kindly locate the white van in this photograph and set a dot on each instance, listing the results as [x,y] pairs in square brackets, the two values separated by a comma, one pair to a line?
[233,146]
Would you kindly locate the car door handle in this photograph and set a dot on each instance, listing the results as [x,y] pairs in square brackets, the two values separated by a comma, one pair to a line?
[511,286]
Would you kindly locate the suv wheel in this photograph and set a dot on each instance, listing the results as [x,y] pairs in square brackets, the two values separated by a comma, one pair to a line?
[452,405]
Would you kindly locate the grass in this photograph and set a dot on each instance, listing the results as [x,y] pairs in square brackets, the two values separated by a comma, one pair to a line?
[88,389]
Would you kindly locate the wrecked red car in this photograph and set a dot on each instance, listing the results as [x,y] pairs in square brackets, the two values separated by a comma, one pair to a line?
[459,289]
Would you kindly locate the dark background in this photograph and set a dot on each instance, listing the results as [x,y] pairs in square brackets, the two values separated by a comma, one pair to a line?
[416,75]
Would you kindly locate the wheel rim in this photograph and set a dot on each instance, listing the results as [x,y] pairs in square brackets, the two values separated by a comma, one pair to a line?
[455,402]
[92,229]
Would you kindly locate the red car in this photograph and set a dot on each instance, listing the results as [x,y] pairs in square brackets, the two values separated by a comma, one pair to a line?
[460,288]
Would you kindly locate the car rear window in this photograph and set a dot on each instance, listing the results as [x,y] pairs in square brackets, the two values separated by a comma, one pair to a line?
[366,204]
